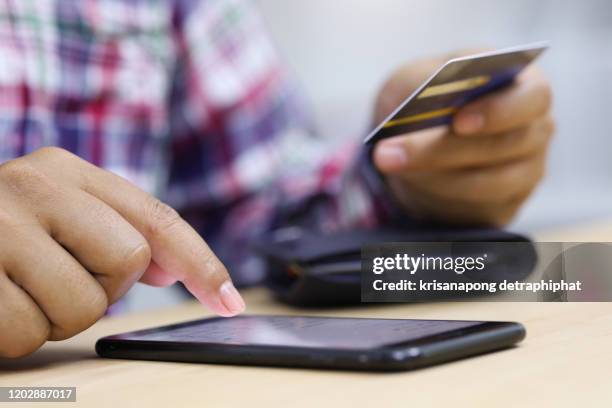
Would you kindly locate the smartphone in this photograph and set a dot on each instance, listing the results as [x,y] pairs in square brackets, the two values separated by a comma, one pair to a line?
[314,342]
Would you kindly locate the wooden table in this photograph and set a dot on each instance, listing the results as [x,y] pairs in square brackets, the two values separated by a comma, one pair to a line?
[566,360]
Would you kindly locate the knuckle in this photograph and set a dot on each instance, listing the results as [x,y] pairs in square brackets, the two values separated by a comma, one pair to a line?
[81,304]
[136,260]
[215,270]
[96,307]
[25,180]
[87,311]
[161,216]
[18,170]
[52,153]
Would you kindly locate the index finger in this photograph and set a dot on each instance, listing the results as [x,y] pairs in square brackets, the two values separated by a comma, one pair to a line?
[175,246]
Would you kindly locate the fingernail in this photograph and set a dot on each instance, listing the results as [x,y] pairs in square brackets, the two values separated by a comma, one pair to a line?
[469,122]
[391,156]
[231,298]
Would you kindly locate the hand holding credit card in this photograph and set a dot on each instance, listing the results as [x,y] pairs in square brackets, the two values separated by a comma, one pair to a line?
[459,81]
[469,144]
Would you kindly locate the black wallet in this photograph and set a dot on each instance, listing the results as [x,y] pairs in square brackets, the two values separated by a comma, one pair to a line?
[310,269]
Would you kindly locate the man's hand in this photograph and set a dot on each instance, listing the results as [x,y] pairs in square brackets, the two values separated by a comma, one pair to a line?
[74,238]
[477,171]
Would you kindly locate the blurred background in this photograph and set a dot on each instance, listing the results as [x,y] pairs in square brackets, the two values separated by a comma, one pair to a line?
[341,51]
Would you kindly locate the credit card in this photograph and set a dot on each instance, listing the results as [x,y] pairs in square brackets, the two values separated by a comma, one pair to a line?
[457,82]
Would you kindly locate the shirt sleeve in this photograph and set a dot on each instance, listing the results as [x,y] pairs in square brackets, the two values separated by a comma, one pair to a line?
[245,159]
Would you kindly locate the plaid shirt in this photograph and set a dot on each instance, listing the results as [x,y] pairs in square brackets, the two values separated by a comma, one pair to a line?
[187,99]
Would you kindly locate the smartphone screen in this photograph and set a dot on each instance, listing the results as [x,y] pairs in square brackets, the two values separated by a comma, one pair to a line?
[294,331]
